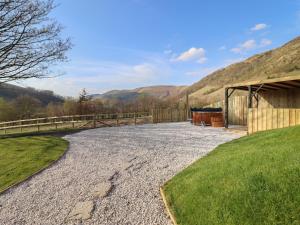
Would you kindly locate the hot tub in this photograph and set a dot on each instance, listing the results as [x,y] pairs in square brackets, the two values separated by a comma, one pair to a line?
[207,116]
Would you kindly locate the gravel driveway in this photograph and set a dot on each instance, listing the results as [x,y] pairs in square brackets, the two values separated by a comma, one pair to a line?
[110,176]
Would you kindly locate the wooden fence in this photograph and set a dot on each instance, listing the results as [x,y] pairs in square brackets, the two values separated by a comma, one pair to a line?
[272,118]
[74,121]
[92,121]
[169,115]
[237,109]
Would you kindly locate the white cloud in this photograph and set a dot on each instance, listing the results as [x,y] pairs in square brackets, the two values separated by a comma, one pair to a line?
[146,72]
[193,54]
[222,48]
[246,46]
[168,52]
[259,26]
[250,44]
[236,50]
[202,60]
[265,42]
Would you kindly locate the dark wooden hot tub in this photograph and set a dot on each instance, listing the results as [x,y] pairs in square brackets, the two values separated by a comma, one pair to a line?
[208,116]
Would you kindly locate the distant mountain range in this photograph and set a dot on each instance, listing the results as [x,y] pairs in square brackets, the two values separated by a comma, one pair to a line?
[160,92]
[10,92]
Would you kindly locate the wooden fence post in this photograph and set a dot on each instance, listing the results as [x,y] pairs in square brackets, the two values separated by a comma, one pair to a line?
[187,106]
[94,121]
[152,111]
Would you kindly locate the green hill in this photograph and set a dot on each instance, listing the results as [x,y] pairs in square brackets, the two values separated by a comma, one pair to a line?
[160,92]
[280,62]
[10,92]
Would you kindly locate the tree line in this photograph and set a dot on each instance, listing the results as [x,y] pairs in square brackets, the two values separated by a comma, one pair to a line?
[27,107]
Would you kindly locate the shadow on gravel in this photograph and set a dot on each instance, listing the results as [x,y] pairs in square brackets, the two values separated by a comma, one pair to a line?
[58,133]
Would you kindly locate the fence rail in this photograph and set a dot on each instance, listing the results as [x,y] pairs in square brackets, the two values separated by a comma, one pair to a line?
[260,119]
[73,121]
[93,120]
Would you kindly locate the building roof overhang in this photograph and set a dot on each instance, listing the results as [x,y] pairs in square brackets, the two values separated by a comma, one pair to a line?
[269,84]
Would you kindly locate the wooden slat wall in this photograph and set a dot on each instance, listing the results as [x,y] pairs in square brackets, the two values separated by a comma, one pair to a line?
[238,110]
[169,115]
[289,98]
[260,119]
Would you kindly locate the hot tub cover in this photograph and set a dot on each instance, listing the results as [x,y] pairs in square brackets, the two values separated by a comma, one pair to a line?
[206,110]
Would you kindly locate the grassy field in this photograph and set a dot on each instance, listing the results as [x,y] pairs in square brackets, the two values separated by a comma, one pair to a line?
[254,180]
[23,156]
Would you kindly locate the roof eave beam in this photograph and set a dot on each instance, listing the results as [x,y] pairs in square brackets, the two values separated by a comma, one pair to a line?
[271,87]
[282,85]
[291,85]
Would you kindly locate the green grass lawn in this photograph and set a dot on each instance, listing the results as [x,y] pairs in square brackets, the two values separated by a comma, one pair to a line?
[21,157]
[253,180]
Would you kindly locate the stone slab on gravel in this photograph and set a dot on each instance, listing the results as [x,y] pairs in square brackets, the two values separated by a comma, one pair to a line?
[82,211]
[136,160]
[101,190]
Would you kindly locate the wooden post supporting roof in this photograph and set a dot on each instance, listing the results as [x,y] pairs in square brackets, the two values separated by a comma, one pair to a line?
[226,108]
[249,97]
[227,96]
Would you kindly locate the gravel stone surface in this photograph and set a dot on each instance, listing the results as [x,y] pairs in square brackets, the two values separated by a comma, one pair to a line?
[131,161]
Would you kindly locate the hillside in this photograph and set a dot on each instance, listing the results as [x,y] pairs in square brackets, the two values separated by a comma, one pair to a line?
[10,92]
[160,92]
[281,62]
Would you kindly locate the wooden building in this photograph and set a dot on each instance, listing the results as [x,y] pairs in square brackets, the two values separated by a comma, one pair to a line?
[271,104]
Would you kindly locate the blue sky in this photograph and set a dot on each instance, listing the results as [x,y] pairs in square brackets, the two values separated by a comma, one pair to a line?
[123,44]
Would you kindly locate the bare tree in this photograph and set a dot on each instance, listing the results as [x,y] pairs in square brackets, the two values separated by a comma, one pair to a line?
[83,96]
[26,106]
[29,40]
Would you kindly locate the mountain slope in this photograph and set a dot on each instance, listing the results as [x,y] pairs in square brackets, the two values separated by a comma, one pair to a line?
[280,62]
[160,92]
[10,92]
